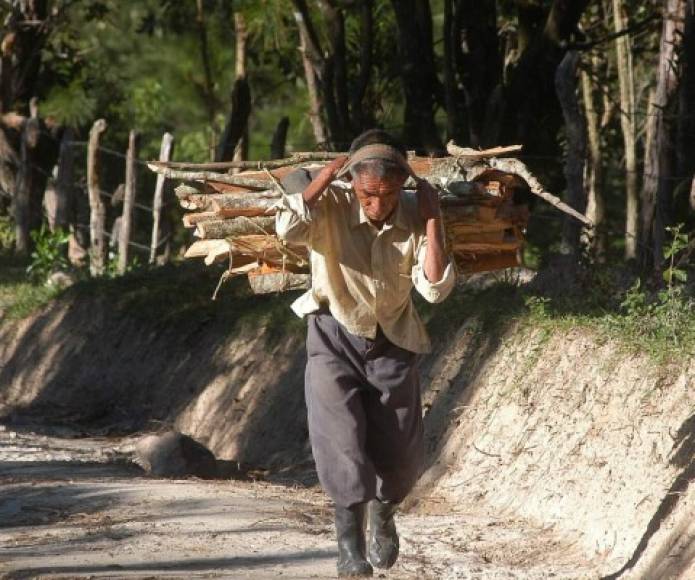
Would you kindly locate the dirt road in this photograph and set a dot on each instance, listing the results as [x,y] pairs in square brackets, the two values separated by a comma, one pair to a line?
[75,507]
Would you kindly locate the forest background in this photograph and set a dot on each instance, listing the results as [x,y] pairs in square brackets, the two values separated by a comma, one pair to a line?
[600,94]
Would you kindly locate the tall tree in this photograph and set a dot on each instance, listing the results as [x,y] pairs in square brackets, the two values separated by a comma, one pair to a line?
[626,83]
[659,163]
[234,140]
[418,73]
[472,71]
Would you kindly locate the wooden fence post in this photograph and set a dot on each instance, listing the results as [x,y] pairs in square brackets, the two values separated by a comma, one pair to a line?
[164,155]
[97,216]
[128,202]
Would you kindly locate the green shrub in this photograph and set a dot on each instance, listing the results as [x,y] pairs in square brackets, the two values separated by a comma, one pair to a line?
[50,253]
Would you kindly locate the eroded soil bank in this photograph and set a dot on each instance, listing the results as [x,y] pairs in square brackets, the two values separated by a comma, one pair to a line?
[588,446]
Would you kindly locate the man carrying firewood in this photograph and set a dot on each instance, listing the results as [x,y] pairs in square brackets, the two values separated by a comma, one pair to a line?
[370,243]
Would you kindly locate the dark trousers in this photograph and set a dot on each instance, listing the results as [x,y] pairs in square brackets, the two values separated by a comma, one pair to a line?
[365,415]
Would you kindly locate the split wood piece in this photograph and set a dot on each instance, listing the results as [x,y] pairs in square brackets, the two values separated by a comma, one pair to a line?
[202,248]
[191,219]
[209,176]
[263,282]
[458,228]
[483,248]
[456,151]
[269,248]
[447,201]
[296,158]
[220,229]
[231,205]
[192,199]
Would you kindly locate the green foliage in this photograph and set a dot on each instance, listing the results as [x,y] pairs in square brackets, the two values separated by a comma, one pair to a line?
[71,105]
[50,253]
[7,234]
[19,296]
[673,273]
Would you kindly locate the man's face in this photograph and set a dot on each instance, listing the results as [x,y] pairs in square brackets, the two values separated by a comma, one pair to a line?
[378,195]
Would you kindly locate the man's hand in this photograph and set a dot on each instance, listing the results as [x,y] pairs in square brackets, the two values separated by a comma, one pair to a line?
[427,200]
[323,180]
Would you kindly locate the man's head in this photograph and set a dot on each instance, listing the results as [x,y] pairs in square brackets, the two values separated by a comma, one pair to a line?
[378,179]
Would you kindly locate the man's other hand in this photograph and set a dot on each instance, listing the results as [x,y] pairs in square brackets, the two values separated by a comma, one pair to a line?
[323,180]
[428,200]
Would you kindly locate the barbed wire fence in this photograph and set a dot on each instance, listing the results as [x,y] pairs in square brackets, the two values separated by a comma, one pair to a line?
[158,242]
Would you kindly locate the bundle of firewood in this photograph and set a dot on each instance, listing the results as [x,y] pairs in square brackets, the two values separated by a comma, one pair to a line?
[484,198]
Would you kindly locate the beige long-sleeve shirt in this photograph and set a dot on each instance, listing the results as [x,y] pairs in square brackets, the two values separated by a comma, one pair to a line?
[364,274]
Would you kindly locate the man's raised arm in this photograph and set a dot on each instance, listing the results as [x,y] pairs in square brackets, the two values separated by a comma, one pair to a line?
[293,218]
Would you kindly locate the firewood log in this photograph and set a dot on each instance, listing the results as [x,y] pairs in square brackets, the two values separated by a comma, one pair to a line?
[224,228]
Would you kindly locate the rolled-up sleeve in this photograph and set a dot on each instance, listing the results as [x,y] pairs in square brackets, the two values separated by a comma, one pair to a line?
[293,219]
[432,291]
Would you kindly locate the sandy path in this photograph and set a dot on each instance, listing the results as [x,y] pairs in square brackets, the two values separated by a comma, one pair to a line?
[74,508]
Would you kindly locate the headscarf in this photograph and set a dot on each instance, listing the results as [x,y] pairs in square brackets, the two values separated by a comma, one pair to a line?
[377,151]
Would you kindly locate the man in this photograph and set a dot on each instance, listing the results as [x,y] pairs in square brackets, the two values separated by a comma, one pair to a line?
[370,244]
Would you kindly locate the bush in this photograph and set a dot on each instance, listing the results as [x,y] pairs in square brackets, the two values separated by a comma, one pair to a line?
[50,253]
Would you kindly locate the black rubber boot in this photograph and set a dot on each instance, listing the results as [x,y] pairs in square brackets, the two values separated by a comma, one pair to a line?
[349,526]
[383,538]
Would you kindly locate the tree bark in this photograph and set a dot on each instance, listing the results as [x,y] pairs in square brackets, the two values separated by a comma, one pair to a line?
[566,82]
[478,65]
[38,154]
[686,111]
[336,81]
[361,116]
[277,145]
[418,73]
[208,87]
[595,209]
[656,201]
[97,216]
[234,140]
[532,114]
[626,82]
[306,48]
[65,183]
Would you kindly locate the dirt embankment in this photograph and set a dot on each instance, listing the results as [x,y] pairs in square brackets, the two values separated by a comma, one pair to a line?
[592,443]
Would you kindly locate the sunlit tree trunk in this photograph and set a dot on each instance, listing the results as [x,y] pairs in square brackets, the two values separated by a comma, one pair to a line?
[659,157]
[626,82]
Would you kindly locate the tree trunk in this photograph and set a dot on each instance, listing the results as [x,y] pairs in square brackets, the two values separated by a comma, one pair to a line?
[627,123]
[97,216]
[336,81]
[362,117]
[475,52]
[312,82]
[566,83]
[532,114]
[595,209]
[234,141]
[37,157]
[455,117]
[277,145]
[657,190]
[418,72]
[65,183]
[208,87]
[686,114]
